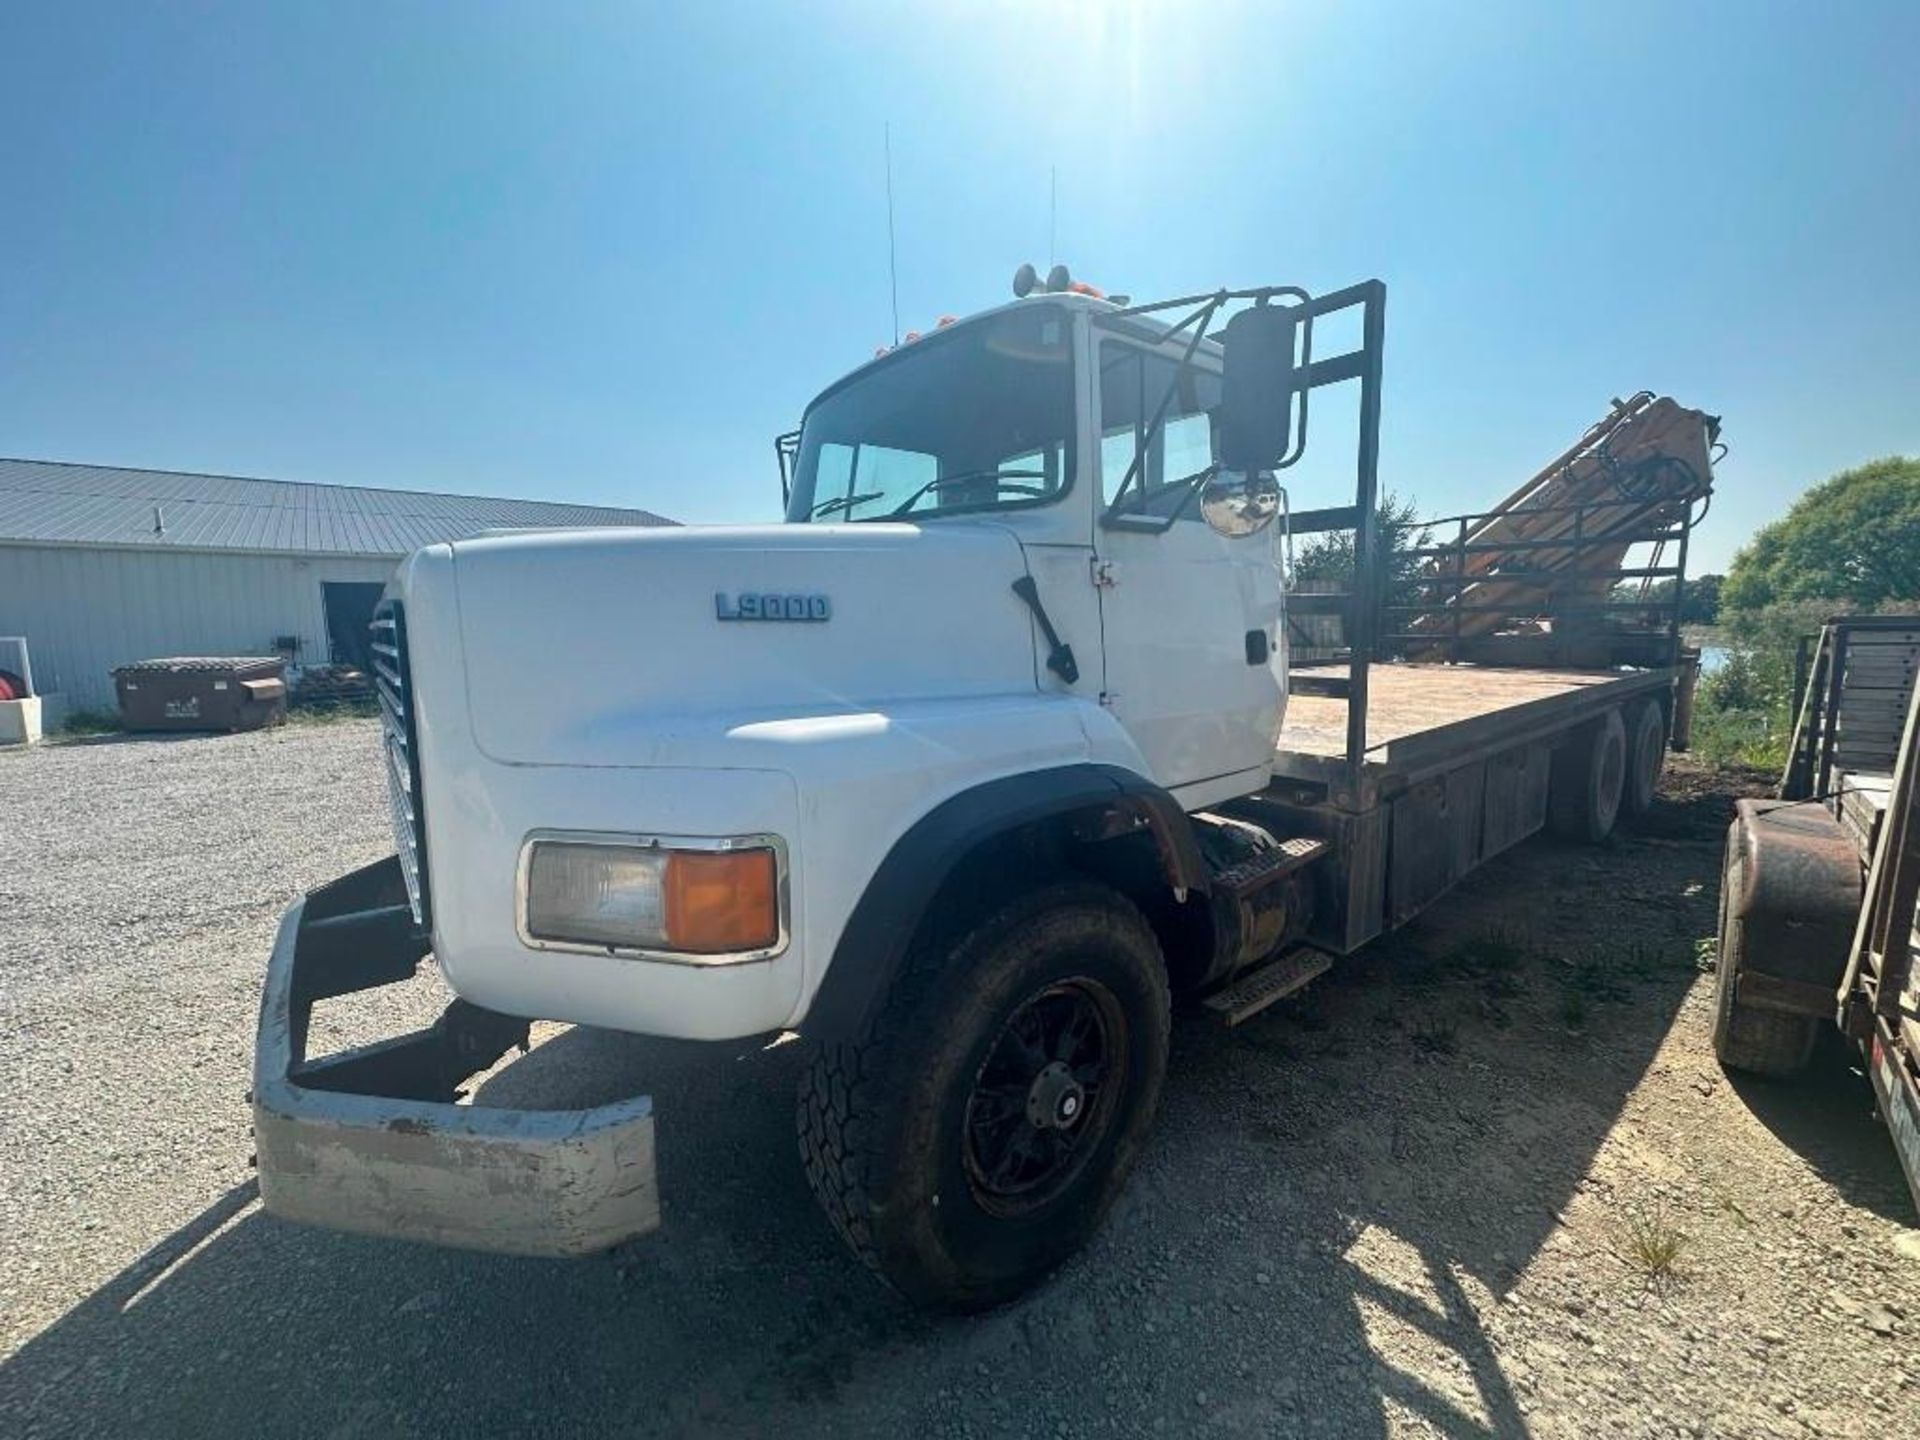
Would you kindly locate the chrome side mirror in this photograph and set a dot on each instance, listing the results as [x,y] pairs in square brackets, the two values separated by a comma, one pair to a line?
[1237,503]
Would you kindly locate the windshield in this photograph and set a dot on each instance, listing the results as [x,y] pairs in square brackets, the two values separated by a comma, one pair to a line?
[979,418]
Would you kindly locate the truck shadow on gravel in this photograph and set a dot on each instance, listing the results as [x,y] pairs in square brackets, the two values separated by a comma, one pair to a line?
[1338,1196]
[1825,1115]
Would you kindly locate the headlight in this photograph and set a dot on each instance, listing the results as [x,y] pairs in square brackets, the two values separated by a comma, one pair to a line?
[702,901]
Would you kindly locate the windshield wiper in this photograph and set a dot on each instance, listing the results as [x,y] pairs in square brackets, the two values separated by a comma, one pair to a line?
[842,502]
[940,482]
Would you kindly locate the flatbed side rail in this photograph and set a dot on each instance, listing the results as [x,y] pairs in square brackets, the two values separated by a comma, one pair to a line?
[1878,1000]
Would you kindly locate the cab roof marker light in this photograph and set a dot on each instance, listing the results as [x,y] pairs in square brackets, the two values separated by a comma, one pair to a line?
[1059,281]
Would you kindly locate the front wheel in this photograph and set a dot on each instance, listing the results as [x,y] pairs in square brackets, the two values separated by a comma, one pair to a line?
[975,1136]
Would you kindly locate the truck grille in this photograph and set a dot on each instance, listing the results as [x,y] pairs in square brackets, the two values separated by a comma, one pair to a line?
[393,683]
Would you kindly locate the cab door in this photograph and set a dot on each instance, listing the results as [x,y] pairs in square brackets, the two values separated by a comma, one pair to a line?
[1188,617]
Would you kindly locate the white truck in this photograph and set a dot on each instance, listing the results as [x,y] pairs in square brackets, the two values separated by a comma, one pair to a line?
[965,774]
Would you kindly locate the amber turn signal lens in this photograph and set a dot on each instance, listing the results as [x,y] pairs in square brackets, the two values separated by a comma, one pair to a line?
[722,902]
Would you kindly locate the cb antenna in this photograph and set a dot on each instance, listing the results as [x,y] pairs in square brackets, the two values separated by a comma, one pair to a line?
[893,265]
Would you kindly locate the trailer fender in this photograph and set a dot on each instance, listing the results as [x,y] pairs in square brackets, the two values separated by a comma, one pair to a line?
[1104,800]
[1798,901]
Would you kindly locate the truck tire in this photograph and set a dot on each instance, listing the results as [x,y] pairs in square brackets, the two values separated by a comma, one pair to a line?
[1646,732]
[1588,779]
[1760,1042]
[975,1134]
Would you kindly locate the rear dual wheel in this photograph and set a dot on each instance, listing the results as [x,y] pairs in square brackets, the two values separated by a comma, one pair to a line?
[1608,770]
[1646,736]
[1589,774]
[975,1136]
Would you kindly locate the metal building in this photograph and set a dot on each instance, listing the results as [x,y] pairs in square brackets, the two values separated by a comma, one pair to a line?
[100,565]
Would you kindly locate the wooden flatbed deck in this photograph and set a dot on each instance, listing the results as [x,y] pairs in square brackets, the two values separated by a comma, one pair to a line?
[1426,717]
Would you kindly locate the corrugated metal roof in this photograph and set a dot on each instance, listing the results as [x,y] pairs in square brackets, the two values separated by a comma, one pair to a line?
[53,502]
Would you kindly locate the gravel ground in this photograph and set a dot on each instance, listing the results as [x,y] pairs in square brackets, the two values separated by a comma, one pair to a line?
[1429,1197]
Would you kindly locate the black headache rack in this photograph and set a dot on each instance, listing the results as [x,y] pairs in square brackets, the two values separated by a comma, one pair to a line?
[1363,364]
[1583,567]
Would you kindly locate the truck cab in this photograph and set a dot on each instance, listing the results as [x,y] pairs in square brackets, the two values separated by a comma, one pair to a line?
[1027,422]
[908,773]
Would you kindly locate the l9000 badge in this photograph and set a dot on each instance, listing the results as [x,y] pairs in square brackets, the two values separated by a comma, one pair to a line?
[756,606]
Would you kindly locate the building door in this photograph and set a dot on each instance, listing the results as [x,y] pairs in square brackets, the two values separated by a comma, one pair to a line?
[349,607]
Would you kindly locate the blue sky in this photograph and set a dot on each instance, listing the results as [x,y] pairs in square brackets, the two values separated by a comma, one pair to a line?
[605,252]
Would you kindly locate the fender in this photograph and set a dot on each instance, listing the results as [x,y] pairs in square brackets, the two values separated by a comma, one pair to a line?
[882,925]
[1801,898]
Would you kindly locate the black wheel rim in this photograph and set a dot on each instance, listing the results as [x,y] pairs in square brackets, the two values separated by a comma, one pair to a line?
[1045,1096]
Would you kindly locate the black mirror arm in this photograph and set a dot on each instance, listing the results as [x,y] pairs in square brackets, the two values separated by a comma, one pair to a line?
[785,448]
[1306,390]
[1195,483]
[1134,470]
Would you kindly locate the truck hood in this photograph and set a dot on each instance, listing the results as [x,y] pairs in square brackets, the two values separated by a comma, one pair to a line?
[599,647]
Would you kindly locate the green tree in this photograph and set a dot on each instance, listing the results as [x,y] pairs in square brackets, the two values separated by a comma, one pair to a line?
[1699,605]
[1325,562]
[1329,556]
[1853,540]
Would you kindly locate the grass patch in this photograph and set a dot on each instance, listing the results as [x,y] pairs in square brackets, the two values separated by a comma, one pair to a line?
[1727,1203]
[1495,960]
[1435,1037]
[1498,952]
[1652,1247]
[1706,954]
[1750,739]
[1501,987]
[1598,980]
[1643,960]
[1573,1010]
[1417,975]
[330,712]
[90,722]
[1497,1015]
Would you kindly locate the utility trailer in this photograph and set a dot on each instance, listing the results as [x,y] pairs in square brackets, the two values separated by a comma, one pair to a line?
[1817,909]
[963,774]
